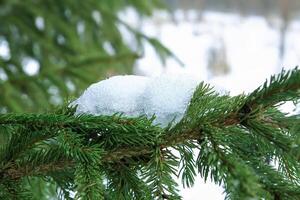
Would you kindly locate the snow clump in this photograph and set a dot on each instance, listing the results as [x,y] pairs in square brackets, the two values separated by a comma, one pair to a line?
[166,97]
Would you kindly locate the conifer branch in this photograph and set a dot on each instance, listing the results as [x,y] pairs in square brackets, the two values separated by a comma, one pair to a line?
[245,126]
[282,87]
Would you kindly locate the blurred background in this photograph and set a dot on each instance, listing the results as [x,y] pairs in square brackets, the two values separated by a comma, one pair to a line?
[51,50]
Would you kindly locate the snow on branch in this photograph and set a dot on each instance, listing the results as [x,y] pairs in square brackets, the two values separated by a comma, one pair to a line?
[124,128]
[166,97]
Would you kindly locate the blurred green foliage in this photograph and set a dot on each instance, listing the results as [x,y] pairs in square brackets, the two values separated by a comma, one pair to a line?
[67,45]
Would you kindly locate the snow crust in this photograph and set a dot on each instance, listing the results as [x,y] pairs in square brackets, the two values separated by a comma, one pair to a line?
[166,97]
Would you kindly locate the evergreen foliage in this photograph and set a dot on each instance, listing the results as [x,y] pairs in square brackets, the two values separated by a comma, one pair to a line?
[73,43]
[238,140]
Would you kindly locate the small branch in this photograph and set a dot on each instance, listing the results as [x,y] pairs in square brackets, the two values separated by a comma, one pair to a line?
[15,173]
[129,152]
[287,83]
[253,103]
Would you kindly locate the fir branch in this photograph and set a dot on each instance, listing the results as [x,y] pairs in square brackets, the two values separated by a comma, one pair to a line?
[89,182]
[125,182]
[158,175]
[280,88]
[216,160]
[221,126]
[188,163]
[273,181]
[114,155]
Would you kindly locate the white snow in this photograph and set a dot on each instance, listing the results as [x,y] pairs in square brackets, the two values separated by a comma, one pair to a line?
[166,97]
[4,49]
[30,66]
[118,94]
